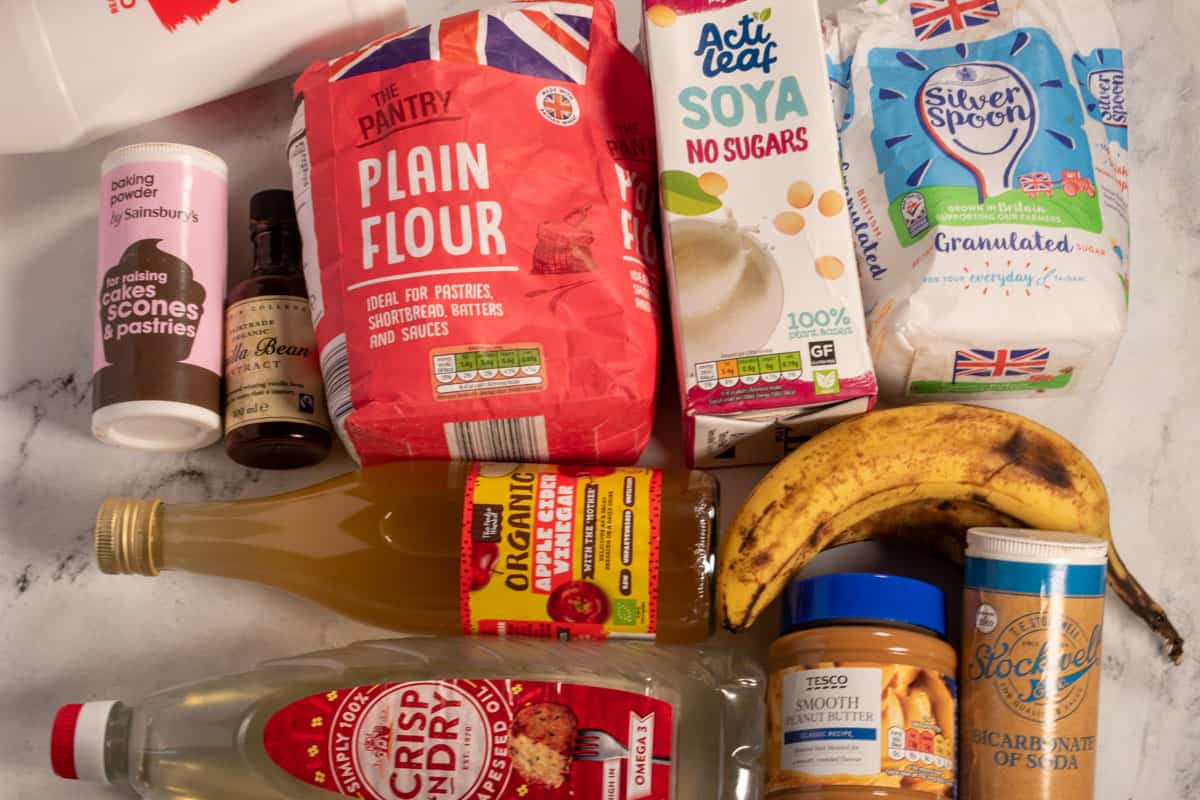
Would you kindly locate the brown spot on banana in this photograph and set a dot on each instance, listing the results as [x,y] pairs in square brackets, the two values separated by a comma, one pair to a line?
[1038,457]
[762,560]
[750,541]
[952,414]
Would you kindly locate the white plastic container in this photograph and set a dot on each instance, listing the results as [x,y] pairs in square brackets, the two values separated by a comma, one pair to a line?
[160,288]
[455,718]
[76,71]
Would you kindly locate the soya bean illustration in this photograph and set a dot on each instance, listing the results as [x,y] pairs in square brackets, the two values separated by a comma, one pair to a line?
[800,194]
[713,183]
[789,223]
[830,267]
[662,16]
[831,203]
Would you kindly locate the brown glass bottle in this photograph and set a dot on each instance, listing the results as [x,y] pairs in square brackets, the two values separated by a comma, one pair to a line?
[275,416]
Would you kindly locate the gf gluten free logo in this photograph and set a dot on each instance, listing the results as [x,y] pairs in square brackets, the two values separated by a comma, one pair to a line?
[822,354]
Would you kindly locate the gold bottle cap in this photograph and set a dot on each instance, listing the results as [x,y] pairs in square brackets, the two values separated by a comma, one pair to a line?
[127,534]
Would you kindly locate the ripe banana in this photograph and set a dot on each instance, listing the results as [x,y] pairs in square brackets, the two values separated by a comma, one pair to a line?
[926,473]
[938,525]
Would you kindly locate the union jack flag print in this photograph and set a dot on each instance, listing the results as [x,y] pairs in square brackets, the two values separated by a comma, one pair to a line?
[933,18]
[1036,184]
[541,39]
[1000,363]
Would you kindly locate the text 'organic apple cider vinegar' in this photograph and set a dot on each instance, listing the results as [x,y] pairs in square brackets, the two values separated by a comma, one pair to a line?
[422,547]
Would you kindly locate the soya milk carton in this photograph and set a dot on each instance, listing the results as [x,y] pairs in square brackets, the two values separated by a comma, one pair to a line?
[768,317]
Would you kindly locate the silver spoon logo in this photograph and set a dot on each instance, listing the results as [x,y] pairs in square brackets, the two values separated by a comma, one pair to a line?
[984,116]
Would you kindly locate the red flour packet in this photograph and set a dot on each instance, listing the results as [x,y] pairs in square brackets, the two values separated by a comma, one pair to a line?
[476,198]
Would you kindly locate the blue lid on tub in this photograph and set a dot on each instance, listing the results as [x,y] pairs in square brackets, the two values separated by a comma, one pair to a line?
[864,597]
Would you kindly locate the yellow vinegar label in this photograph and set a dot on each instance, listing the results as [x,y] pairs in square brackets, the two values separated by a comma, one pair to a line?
[560,552]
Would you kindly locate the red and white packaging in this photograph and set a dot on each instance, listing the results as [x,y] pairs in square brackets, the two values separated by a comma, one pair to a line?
[478,740]
[476,198]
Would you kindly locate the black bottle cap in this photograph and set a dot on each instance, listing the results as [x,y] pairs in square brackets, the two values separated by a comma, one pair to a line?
[273,208]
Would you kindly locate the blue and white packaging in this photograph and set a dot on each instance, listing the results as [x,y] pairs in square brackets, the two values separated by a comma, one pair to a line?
[985,151]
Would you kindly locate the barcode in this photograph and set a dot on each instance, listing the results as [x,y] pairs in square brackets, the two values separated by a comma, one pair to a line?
[335,369]
[516,439]
[298,157]
[302,186]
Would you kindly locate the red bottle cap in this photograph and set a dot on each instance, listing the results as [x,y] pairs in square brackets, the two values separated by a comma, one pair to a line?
[77,741]
[62,741]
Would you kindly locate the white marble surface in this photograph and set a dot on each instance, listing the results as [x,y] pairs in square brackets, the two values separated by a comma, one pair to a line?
[68,633]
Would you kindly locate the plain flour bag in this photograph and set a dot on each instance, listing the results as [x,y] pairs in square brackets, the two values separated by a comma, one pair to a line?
[477,198]
[986,159]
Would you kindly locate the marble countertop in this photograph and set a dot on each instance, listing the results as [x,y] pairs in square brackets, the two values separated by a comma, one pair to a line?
[68,633]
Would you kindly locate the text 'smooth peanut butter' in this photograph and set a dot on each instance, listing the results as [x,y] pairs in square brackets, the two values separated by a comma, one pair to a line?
[861,699]
[1033,620]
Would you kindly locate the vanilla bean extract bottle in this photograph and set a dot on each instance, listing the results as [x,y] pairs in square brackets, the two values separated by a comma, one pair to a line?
[275,415]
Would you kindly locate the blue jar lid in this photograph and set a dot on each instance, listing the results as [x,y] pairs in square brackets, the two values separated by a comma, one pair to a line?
[865,597]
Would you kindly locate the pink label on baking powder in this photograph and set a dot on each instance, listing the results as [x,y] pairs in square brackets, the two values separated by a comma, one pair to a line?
[162,264]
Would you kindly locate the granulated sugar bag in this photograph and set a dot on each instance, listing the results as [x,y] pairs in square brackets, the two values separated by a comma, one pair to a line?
[986,159]
[476,198]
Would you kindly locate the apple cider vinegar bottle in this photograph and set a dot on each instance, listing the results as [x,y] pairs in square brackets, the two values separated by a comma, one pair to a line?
[422,547]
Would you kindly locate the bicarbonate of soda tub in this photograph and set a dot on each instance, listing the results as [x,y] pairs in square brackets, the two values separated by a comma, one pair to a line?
[1033,624]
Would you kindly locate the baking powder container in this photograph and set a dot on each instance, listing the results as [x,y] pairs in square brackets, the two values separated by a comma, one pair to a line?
[161,276]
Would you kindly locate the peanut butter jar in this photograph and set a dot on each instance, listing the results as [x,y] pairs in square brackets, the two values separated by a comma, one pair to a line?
[1033,621]
[861,698]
